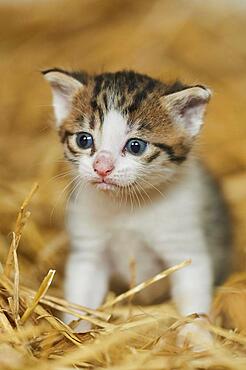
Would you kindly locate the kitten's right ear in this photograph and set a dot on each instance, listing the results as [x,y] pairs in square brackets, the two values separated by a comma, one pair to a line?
[64,87]
[187,107]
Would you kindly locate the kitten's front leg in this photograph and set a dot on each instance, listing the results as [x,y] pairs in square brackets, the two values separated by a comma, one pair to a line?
[192,292]
[191,289]
[86,276]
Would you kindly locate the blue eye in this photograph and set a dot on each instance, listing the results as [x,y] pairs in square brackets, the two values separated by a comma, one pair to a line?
[136,146]
[84,140]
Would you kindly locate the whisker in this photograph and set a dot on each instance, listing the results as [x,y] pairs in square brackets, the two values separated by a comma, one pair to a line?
[154,187]
[77,183]
[85,187]
[60,195]
[60,175]
[144,191]
[79,189]
[132,199]
[139,189]
[136,195]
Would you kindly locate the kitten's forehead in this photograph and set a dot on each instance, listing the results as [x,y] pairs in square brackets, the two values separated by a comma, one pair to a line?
[126,97]
[122,91]
[114,131]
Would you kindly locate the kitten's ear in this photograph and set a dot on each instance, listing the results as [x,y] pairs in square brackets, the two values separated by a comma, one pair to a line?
[64,87]
[187,107]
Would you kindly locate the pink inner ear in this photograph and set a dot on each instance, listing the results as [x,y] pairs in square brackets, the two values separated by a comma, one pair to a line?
[187,109]
[192,102]
[63,88]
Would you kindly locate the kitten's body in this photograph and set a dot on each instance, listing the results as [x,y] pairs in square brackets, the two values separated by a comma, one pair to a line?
[183,222]
[131,140]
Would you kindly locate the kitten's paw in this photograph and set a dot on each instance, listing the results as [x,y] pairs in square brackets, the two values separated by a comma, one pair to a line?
[196,335]
[82,326]
[79,326]
[67,318]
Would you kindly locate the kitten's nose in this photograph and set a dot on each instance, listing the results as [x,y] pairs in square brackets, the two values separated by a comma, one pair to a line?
[104,163]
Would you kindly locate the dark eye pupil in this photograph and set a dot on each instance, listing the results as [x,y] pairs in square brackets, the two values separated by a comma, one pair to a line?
[135,147]
[84,140]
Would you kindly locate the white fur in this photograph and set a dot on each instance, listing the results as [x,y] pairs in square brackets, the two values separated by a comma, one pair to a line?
[105,233]
[114,132]
[112,139]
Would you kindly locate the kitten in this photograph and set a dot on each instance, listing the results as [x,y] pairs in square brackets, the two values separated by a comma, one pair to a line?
[131,140]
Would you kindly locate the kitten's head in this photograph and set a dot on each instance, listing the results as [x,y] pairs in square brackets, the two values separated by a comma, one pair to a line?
[125,129]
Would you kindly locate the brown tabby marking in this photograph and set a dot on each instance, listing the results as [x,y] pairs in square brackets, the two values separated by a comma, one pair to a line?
[138,98]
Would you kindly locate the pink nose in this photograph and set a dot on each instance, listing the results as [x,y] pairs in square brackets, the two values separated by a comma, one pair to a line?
[103,164]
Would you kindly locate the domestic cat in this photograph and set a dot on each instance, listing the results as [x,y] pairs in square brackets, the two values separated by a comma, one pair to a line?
[131,140]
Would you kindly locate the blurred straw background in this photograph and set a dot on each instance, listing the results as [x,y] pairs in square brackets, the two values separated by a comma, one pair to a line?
[196,41]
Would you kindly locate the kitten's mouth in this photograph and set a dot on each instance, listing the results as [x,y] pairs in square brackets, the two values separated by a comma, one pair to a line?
[105,185]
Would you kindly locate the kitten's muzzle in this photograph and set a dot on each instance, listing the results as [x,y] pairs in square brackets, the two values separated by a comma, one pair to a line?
[103,164]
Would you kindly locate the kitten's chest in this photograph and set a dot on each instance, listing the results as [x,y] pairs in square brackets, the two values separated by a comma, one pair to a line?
[163,218]
[147,222]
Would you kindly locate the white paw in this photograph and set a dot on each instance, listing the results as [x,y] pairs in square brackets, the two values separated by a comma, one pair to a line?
[79,326]
[67,318]
[196,335]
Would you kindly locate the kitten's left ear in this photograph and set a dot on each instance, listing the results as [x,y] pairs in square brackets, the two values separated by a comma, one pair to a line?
[64,87]
[187,107]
